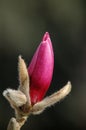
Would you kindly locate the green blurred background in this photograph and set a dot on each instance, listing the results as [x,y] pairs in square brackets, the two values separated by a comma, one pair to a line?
[22,25]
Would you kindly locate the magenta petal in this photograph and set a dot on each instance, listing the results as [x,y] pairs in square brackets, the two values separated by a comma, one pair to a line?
[41,69]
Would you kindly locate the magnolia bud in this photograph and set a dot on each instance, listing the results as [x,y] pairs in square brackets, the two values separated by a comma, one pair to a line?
[41,69]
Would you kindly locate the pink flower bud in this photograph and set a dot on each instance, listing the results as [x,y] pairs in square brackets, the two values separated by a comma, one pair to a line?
[41,69]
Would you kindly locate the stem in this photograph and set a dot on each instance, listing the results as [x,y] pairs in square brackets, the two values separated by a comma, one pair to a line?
[16,125]
[13,125]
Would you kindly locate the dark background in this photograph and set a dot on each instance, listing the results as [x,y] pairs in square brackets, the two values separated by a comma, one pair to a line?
[22,25]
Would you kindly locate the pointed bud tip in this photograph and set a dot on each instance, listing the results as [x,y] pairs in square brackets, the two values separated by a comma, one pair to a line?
[46,36]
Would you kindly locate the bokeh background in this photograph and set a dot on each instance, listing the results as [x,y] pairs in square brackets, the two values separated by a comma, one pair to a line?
[22,25]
